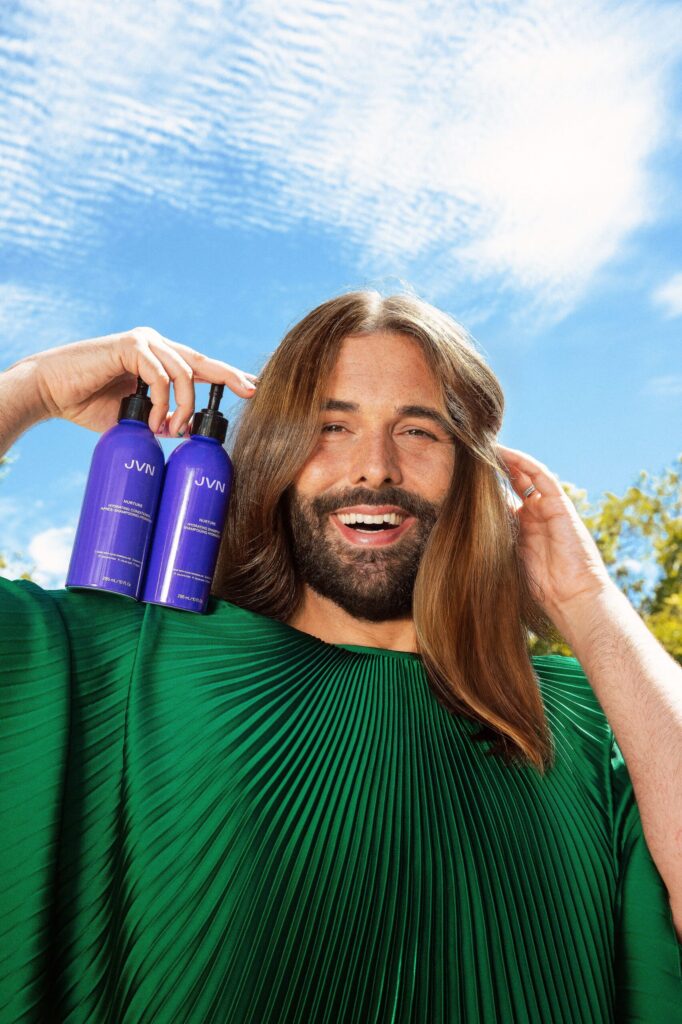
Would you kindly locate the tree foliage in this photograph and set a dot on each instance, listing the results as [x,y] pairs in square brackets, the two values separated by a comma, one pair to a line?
[639,536]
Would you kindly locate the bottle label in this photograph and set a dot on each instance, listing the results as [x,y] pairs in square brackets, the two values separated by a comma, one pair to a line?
[114,529]
[127,507]
[140,467]
[217,484]
[187,539]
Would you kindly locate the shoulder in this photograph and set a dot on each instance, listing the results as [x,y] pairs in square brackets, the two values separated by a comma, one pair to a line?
[94,618]
[103,629]
[84,611]
[31,625]
[225,630]
[72,626]
[23,600]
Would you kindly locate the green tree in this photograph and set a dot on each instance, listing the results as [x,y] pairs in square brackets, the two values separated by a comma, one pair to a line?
[641,528]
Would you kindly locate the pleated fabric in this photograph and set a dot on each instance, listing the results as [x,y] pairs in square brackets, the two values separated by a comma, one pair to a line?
[220,818]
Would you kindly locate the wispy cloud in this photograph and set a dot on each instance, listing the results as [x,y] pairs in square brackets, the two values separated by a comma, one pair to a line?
[36,318]
[668,296]
[509,142]
[667,386]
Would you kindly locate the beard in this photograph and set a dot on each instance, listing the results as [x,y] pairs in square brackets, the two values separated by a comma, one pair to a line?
[375,584]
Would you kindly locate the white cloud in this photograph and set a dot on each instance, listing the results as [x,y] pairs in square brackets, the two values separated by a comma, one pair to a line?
[29,545]
[509,142]
[665,386]
[32,319]
[51,550]
[668,296]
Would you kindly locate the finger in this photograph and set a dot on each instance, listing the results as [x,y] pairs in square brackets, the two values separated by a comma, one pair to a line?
[524,470]
[141,361]
[182,375]
[165,429]
[215,371]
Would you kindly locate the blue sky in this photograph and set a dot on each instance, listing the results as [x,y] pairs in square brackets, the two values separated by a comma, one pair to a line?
[216,169]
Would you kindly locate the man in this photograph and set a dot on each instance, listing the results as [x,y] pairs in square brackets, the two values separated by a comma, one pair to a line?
[346,793]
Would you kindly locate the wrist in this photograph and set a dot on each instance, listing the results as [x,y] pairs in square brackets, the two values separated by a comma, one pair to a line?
[21,400]
[585,620]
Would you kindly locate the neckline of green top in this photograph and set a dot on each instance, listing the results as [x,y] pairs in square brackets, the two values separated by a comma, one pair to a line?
[410,655]
[356,648]
[285,627]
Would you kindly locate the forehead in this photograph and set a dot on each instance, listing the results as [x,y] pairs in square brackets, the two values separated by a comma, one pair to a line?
[382,362]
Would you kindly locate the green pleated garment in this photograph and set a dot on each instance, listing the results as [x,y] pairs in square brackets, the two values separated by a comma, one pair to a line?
[220,818]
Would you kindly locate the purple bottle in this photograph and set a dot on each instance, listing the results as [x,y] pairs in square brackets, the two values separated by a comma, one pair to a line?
[194,500]
[121,497]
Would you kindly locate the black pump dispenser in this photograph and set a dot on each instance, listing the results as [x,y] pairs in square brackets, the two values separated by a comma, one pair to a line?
[210,422]
[136,406]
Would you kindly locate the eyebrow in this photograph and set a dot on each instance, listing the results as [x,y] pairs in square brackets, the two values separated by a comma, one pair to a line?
[421,411]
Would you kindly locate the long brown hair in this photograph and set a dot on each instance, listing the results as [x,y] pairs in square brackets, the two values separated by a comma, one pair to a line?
[472,604]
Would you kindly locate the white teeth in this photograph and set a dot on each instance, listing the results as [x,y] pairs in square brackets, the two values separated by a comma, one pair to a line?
[349,518]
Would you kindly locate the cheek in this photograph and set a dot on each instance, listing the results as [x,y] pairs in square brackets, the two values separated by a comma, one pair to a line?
[318,473]
[430,476]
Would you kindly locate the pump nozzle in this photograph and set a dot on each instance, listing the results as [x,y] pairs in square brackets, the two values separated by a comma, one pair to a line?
[210,422]
[138,405]
[215,396]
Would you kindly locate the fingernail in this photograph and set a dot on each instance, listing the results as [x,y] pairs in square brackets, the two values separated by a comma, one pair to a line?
[181,432]
[250,385]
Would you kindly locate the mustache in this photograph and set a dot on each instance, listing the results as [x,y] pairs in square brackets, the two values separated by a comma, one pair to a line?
[413,504]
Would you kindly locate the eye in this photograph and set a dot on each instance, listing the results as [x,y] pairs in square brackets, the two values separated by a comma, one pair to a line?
[421,433]
[332,428]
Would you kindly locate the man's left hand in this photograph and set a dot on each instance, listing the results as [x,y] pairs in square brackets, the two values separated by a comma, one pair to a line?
[561,558]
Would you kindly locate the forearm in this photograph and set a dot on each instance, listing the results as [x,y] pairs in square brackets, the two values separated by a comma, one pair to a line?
[20,402]
[639,687]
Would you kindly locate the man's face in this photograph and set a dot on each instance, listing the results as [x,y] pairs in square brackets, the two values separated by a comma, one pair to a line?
[384,450]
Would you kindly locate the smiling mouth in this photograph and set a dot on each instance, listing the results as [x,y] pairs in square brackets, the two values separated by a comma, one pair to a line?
[363,523]
[362,529]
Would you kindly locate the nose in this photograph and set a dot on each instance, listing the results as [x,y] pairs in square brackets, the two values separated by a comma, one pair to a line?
[375,461]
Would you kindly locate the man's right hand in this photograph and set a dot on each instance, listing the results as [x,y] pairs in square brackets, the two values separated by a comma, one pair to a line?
[85,381]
